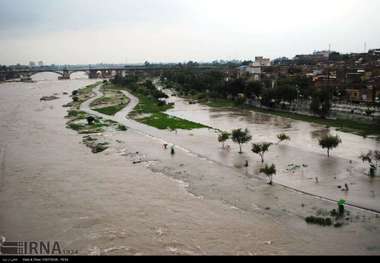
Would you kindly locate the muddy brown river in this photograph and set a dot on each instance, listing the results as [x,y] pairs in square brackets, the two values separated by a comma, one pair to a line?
[199,201]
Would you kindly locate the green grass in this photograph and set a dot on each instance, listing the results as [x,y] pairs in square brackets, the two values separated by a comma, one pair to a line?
[115,101]
[86,129]
[77,119]
[76,114]
[83,95]
[163,121]
[88,89]
[111,110]
[147,105]
[157,118]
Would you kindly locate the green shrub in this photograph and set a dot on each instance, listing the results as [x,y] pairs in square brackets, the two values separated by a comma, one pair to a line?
[122,128]
[319,221]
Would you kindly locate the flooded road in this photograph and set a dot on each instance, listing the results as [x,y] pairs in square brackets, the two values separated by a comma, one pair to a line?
[196,202]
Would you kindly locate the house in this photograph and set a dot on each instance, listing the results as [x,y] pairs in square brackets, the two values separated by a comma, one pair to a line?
[261,62]
[254,70]
[323,81]
[374,89]
[375,52]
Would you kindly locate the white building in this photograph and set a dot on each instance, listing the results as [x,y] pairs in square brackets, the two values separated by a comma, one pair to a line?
[323,53]
[261,62]
[254,70]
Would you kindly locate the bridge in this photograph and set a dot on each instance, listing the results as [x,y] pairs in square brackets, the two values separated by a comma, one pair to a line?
[65,73]
[92,72]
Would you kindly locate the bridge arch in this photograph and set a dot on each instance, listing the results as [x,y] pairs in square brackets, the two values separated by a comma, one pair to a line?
[45,71]
[78,71]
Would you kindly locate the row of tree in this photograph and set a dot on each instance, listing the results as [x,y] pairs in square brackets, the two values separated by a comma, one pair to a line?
[216,84]
[143,87]
[241,137]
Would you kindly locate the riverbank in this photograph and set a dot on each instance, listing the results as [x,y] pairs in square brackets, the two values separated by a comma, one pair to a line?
[344,125]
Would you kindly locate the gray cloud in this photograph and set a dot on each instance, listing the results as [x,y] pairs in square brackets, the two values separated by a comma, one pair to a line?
[85,31]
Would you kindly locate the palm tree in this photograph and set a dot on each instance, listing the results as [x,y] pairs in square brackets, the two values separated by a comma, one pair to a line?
[269,171]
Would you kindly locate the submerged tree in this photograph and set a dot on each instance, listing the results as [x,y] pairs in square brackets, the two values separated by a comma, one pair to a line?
[241,137]
[223,137]
[269,171]
[261,149]
[373,158]
[283,137]
[90,120]
[329,142]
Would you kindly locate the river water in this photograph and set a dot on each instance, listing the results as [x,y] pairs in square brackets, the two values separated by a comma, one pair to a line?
[344,167]
[200,201]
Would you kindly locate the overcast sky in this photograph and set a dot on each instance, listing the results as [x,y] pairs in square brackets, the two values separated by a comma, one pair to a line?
[120,31]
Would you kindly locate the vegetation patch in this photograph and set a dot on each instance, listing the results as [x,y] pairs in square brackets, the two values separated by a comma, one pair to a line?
[85,123]
[152,105]
[84,128]
[111,103]
[319,221]
[327,219]
[111,110]
[148,105]
[121,127]
[95,145]
[163,121]
[81,95]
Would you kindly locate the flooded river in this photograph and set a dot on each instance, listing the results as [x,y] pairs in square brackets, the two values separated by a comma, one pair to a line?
[199,201]
[344,167]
